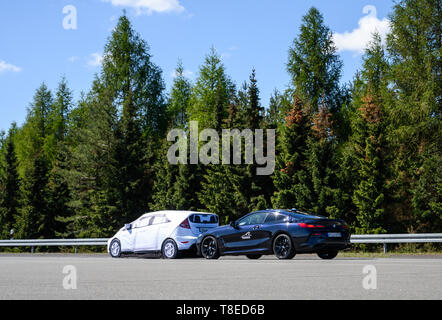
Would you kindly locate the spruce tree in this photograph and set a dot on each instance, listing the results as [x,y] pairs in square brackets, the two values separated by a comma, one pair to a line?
[211,94]
[134,84]
[414,50]
[209,103]
[31,137]
[315,70]
[56,148]
[9,186]
[256,189]
[322,164]
[34,165]
[179,98]
[369,141]
[172,186]
[34,207]
[314,65]
[93,168]
[292,184]
[111,173]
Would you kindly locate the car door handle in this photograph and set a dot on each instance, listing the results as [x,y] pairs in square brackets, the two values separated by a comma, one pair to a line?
[255,227]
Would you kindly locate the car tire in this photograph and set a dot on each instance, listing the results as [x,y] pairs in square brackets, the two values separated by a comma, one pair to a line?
[254,256]
[115,248]
[209,248]
[327,254]
[169,249]
[283,247]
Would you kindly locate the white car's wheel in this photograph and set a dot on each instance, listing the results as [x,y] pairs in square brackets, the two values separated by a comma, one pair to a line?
[115,248]
[169,249]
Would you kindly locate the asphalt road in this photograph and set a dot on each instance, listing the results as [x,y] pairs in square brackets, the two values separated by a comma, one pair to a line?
[305,277]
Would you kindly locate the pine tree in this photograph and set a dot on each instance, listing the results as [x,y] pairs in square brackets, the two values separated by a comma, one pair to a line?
[171,189]
[93,167]
[369,141]
[306,151]
[56,148]
[30,138]
[314,66]
[254,189]
[322,164]
[209,103]
[187,185]
[34,165]
[33,206]
[166,175]
[134,84]
[279,105]
[291,182]
[179,98]
[9,186]
[369,197]
[111,173]
[212,93]
[414,50]
[254,109]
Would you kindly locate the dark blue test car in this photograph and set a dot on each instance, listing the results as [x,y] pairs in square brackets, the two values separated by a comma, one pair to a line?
[283,232]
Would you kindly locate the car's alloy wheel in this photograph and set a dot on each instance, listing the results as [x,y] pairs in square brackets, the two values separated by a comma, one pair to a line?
[254,256]
[115,248]
[209,248]
[169,249]
[283,247]
[328,254]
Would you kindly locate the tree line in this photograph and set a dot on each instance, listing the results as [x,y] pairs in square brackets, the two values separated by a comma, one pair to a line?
[368,151]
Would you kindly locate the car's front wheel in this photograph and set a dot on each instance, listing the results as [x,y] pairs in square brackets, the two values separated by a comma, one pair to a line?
[328,254]
[115,248]
[209,248]
[283,247]
[169,249]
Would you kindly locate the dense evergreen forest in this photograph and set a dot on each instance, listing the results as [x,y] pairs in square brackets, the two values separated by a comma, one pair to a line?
[368,152]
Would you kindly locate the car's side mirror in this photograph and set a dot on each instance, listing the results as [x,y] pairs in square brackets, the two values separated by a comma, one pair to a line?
[233,224]
[128,226]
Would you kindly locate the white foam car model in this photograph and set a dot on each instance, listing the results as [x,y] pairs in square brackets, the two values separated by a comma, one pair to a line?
[167,232]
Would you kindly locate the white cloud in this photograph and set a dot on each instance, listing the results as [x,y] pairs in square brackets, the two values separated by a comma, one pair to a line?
[8,67]
[95,60]
[228,54]
[149,6]
[358,39]
[73,59]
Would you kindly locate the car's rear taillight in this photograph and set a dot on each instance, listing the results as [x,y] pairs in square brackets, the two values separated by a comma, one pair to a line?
[305,225]
[345,226]
[185,224]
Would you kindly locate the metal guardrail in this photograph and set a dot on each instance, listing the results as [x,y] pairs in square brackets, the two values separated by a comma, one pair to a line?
[396,238]
[357,238]
[54,243]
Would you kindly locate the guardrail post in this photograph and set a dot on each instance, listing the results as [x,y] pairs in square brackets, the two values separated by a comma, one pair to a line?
[32,249]
[385,248]
[76,249]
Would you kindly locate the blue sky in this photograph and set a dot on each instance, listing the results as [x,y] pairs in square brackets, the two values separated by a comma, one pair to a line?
[36,48]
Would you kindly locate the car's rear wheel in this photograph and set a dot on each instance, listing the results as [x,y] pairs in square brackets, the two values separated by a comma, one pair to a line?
[115,248]
[328,254]
[209,248]
[169,249]
[283,247]
[254,256]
